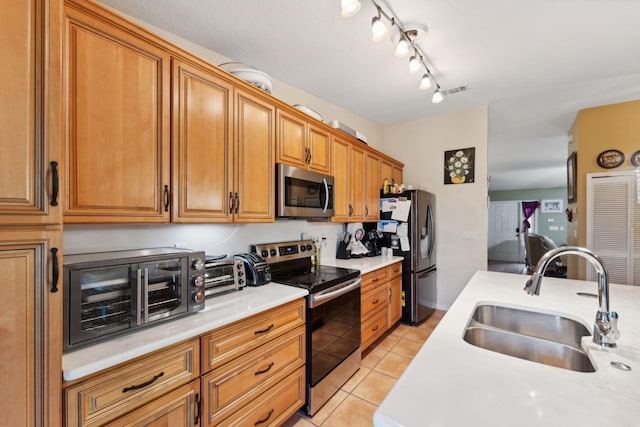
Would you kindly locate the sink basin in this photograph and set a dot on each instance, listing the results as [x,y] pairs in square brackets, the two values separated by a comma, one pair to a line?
[539,337]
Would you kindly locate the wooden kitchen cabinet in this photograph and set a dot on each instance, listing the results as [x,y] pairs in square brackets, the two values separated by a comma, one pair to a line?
[372,187]
[254,368]
[390,170]
[110,395]
[117,142]
[381,302]
[30,213]
[302,144]
[254,153]
[349,174]
[202,159]
[176,408]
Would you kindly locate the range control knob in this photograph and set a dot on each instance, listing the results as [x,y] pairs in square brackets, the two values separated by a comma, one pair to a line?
[198,281]
[197,264]
[273,252]
[309,247]
[198,296]
[264,253]
[303,248]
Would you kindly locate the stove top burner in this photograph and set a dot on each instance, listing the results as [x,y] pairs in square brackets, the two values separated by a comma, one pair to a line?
[316,278]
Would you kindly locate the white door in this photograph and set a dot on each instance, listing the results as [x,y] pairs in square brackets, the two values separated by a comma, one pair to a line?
[506,242]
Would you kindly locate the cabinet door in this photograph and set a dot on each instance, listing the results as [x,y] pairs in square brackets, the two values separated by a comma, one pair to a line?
[372,187]
[117,142]
[30,112]
[395,300]
[255,159]
[31,344]
[357,184]
[177,408]
[341,180]
[397,174]
[292,140]
[319,150]
[202,159]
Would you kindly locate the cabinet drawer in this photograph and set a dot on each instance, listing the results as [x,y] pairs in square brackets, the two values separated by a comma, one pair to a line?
[394,270]
[274,406]
[120,390]
[235,384]
[232,341]
[374,278]
[374,300]
[373,329]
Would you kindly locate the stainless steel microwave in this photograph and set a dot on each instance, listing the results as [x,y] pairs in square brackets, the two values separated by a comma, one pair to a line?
[303,194]
[108,293]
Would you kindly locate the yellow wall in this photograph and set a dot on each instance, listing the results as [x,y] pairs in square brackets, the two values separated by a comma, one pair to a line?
[595,130]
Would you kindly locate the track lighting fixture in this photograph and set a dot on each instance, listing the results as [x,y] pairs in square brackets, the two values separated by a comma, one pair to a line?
[350,7]
[379,29]
[405,41]
[425,82]
[437,96]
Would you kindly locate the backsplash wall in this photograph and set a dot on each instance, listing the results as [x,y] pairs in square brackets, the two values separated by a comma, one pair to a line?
[214,239]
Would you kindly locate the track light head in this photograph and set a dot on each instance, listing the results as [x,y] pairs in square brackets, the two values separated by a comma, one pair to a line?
[415,64]
[350,7]
[379,29]
[437,96]
[402,48]
[425,82]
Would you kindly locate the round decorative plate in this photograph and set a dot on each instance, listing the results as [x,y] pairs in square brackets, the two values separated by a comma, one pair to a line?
[635,159]
[610,159]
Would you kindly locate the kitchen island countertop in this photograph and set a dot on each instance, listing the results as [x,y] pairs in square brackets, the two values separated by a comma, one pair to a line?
[453,383]
[364,264]
[219,311]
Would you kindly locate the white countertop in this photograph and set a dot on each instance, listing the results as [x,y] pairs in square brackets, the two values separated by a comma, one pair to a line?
[364,264]
[453,383]
[219,311]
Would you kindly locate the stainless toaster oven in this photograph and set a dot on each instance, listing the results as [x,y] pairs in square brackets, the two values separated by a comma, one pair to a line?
[223,275]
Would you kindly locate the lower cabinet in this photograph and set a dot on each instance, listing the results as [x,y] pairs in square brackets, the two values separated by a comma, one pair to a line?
[381,302]
[250,372]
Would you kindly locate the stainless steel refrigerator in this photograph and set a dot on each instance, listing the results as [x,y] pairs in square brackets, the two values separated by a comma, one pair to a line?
[416,239]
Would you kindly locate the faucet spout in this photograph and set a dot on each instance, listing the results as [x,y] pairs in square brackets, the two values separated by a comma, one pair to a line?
[605,328]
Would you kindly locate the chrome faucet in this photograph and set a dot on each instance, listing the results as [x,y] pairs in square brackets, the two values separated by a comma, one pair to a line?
[605,328]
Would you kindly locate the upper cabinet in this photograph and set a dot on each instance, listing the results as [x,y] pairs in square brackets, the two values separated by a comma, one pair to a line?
[372,187]
[202,169]
[254,181]
[302,144]
[117,137]
[30,117]
[391,170]
[349,175]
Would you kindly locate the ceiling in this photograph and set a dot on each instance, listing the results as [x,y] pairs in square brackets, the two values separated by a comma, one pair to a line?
[534,63]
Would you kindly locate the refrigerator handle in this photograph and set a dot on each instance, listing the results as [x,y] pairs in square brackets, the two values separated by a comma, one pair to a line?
[432,229]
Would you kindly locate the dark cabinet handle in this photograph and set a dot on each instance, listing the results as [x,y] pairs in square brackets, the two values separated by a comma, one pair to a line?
[55,183]
[262,331]
[374,329]
[166,198]
[366,211]
[231,202]
[265,370]
[196,420]
[144,384]
[264,420]
[375,301]
[350,209]
[55,270]
[237,203]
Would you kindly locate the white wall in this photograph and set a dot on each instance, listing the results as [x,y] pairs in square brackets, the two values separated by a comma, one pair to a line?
[460,208]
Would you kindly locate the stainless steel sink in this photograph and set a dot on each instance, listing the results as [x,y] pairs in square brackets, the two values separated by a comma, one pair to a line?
[539,337]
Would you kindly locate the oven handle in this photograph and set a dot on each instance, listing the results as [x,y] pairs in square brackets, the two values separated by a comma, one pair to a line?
[145,289]
[139,298]
[330,294]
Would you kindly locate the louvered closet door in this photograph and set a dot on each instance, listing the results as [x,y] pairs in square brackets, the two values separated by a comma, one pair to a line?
[613,232]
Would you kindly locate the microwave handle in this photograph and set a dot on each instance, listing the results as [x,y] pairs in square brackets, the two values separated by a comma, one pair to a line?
[145,290]
[139,298]
[326,198]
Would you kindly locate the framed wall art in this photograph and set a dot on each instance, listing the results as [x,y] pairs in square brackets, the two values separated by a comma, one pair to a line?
[552,206]
[572,168]
[459,166]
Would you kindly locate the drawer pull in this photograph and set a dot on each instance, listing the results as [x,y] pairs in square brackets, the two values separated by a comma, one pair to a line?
[375,329]
[144,384]
[267,369]
[264,420]
[262,331]
[375,301]
[375,280]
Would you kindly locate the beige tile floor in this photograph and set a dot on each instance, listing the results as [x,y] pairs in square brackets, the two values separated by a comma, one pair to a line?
[382,365]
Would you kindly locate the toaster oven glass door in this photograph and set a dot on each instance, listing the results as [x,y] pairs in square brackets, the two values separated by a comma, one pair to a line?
[162,291]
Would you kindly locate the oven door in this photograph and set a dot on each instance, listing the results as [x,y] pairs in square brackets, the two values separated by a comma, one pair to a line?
[333,344]
[303,194]
[163,290]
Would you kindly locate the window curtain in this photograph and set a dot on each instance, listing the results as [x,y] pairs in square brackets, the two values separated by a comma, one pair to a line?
[528,208]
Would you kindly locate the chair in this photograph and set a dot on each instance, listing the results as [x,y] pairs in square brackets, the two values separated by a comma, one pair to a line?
[537,245]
